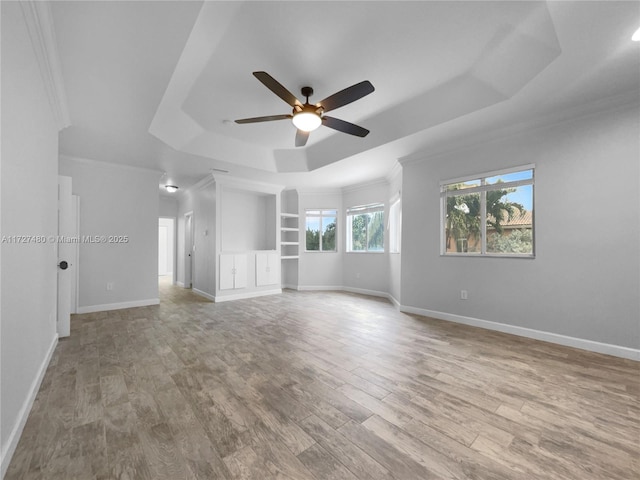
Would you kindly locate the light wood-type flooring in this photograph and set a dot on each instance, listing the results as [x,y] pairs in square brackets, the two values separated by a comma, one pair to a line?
[326,386]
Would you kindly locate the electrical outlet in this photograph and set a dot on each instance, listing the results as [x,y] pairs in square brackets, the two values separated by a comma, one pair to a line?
[463,295]
[109,286]
[358,275]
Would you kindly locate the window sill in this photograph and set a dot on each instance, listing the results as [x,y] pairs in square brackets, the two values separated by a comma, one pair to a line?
[363,251]
[486,255]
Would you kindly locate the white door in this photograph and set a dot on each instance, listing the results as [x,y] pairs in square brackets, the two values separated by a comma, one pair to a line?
[66,257]
[188,245]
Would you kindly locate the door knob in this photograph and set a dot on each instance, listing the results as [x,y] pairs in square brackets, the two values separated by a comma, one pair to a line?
[63,265]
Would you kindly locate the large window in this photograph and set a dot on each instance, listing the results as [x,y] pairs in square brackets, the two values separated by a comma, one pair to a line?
[490,214]
[321,230]
[365,228]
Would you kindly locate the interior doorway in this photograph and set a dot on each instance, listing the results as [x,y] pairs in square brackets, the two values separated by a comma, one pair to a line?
[167,249]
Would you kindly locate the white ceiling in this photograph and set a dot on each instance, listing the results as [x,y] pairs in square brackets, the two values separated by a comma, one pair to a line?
[154,84]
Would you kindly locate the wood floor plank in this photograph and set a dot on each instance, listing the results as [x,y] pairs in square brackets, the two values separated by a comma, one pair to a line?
[190,438]
[318,406]
[92,444]
[160,450]
[385,410]
[352,457]
[473,464]
[322,385]
[124,450]
[324,465]
[224,435]
[401,466]
[282,463]
[246,465]
[340,401]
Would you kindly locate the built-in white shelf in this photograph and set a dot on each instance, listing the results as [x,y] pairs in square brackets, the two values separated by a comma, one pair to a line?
[290,229]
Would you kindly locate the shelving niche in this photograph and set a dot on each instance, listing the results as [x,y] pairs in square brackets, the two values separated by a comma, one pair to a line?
[290,242]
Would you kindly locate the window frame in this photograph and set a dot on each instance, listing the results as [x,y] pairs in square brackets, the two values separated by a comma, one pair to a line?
[482,189]
[361,210]
[320,217]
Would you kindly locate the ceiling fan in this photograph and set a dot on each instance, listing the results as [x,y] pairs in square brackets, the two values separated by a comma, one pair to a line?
[307,117]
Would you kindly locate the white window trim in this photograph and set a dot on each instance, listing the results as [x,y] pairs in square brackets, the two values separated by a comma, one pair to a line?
[466,178]
[483,208]
[359,210]
[306,215]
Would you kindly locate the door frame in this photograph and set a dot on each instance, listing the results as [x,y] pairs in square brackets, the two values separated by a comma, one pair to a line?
[75,279]
[189,248]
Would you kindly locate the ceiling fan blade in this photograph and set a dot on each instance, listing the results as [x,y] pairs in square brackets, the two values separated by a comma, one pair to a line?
[346,96]
[273,85]
[264,119]
[301,138]
[344,127]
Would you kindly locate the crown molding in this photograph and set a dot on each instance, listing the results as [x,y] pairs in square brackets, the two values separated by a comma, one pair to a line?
[203,182]
[394,172]
[379,182]
[100,163]
[39,21]
[599,106]
[245,184]
[319,191]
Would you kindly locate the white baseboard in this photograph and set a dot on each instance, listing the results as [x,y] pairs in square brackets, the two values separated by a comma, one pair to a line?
[393,300]
[204,294]
[320,288]
[23,415]
[290,287]
[118,306]
[242,296]
[363,291]
[583,344]
[341,288]
[179,283]
[590,345]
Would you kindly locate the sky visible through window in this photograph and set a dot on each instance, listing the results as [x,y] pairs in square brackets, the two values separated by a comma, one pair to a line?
[523,194]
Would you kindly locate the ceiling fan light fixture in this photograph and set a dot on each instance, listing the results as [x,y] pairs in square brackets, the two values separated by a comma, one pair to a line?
[307,121]
[171,188]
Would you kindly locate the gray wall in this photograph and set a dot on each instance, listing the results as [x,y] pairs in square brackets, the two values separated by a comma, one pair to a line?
[29,198]
[168,206]
[365,270]
[202,202]
[248,220]
[116,201]
[584,281]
